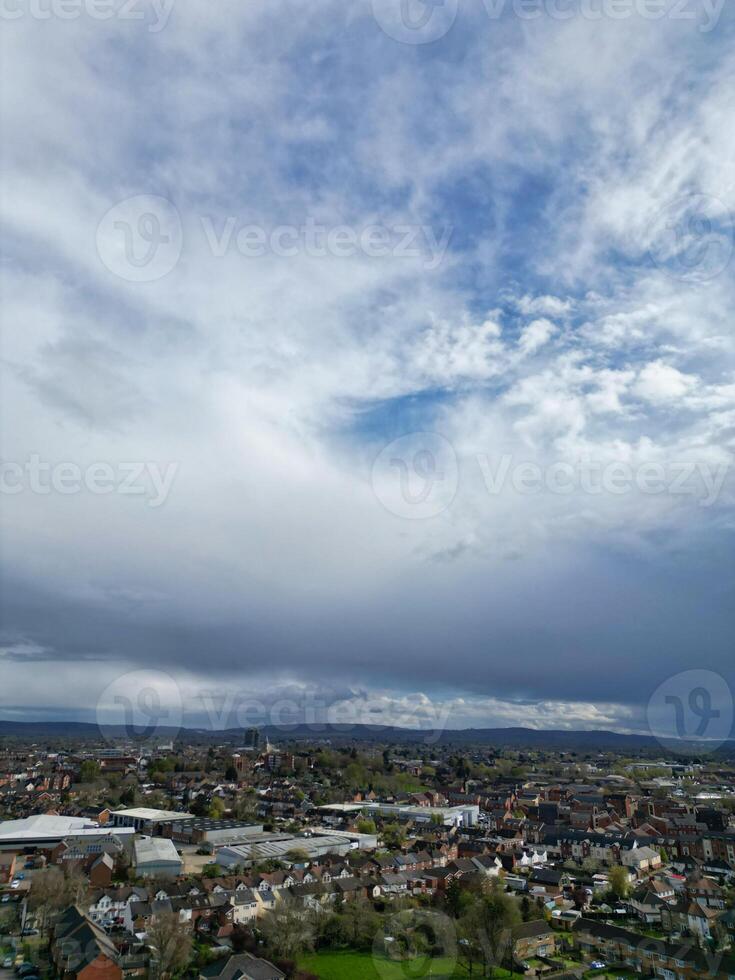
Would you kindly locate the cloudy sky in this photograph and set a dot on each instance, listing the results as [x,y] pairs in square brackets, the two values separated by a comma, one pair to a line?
[368,352]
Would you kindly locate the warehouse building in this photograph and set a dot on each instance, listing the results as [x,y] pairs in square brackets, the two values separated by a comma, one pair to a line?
[147,820]
[204,830]
[157,857]
[263,847]
[46,832]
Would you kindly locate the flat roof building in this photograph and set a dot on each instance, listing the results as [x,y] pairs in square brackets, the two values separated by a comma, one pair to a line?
[147,819]
[46,831]
[211,831]
[466,815]
[262,847]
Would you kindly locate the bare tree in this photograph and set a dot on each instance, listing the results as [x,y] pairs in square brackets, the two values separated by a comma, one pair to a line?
[55,889]
[170,943]
[288,930]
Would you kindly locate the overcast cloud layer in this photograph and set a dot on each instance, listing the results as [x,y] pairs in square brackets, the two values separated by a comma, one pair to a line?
[339,363]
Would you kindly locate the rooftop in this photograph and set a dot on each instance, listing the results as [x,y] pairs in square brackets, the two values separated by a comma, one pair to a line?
[44,827]
[155,849]
[149,813]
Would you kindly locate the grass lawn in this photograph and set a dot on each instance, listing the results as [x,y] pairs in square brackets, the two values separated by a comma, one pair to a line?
[349,965]
[612,975]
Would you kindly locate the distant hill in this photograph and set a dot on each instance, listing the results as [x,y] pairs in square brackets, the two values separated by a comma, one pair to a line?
[502,737]
[509,737]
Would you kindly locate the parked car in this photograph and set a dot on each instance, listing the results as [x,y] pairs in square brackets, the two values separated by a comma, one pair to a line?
[8,963]
[5,898]
[597,965]
[22,969]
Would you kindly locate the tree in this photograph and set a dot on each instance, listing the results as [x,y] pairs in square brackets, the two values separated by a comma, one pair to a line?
[287,931]
[54,890]
[393,835]
[492,919]
[453,898]
[89,771]
[579,896]
[360,923]
[619,882]
[469,951]
[170,943]
[231,774]
[216,808]
[199,806]
[127,797]
[366,826]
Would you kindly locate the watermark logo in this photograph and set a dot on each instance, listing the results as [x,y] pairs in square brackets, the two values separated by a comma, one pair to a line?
[410,942]
[415,21]
[140,238]
[416,476]
[693,706]
[424,21]
[140,705]
[693,238]
[320,715]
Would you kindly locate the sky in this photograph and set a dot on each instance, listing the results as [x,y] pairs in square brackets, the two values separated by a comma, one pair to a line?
[368,357]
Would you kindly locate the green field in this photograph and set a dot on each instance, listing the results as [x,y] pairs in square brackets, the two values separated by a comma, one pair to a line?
[348,965]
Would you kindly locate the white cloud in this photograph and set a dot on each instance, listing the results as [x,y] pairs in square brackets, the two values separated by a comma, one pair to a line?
[263,378]
[535,334]
[659,383]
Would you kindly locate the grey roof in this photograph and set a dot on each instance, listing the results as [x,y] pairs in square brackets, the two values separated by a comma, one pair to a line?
[156,850]
[244,966]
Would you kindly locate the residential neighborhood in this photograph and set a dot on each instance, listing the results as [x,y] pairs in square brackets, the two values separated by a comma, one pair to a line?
[201,859]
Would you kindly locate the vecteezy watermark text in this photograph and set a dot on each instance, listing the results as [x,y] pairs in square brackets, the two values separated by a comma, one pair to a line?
[319,240]
[144,703]
[704,12]
[141,238]
[155,13]
[318,714]
[688,478]
[38,476]
[426,21]
[417,476]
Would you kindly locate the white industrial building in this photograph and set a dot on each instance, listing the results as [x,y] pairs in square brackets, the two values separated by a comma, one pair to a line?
[146,819]
[466,815]
[46,831]
[157,857]
[273,846]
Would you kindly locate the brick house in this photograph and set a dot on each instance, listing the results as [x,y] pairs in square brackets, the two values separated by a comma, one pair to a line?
[8,861]
[535,938]
[673,961]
